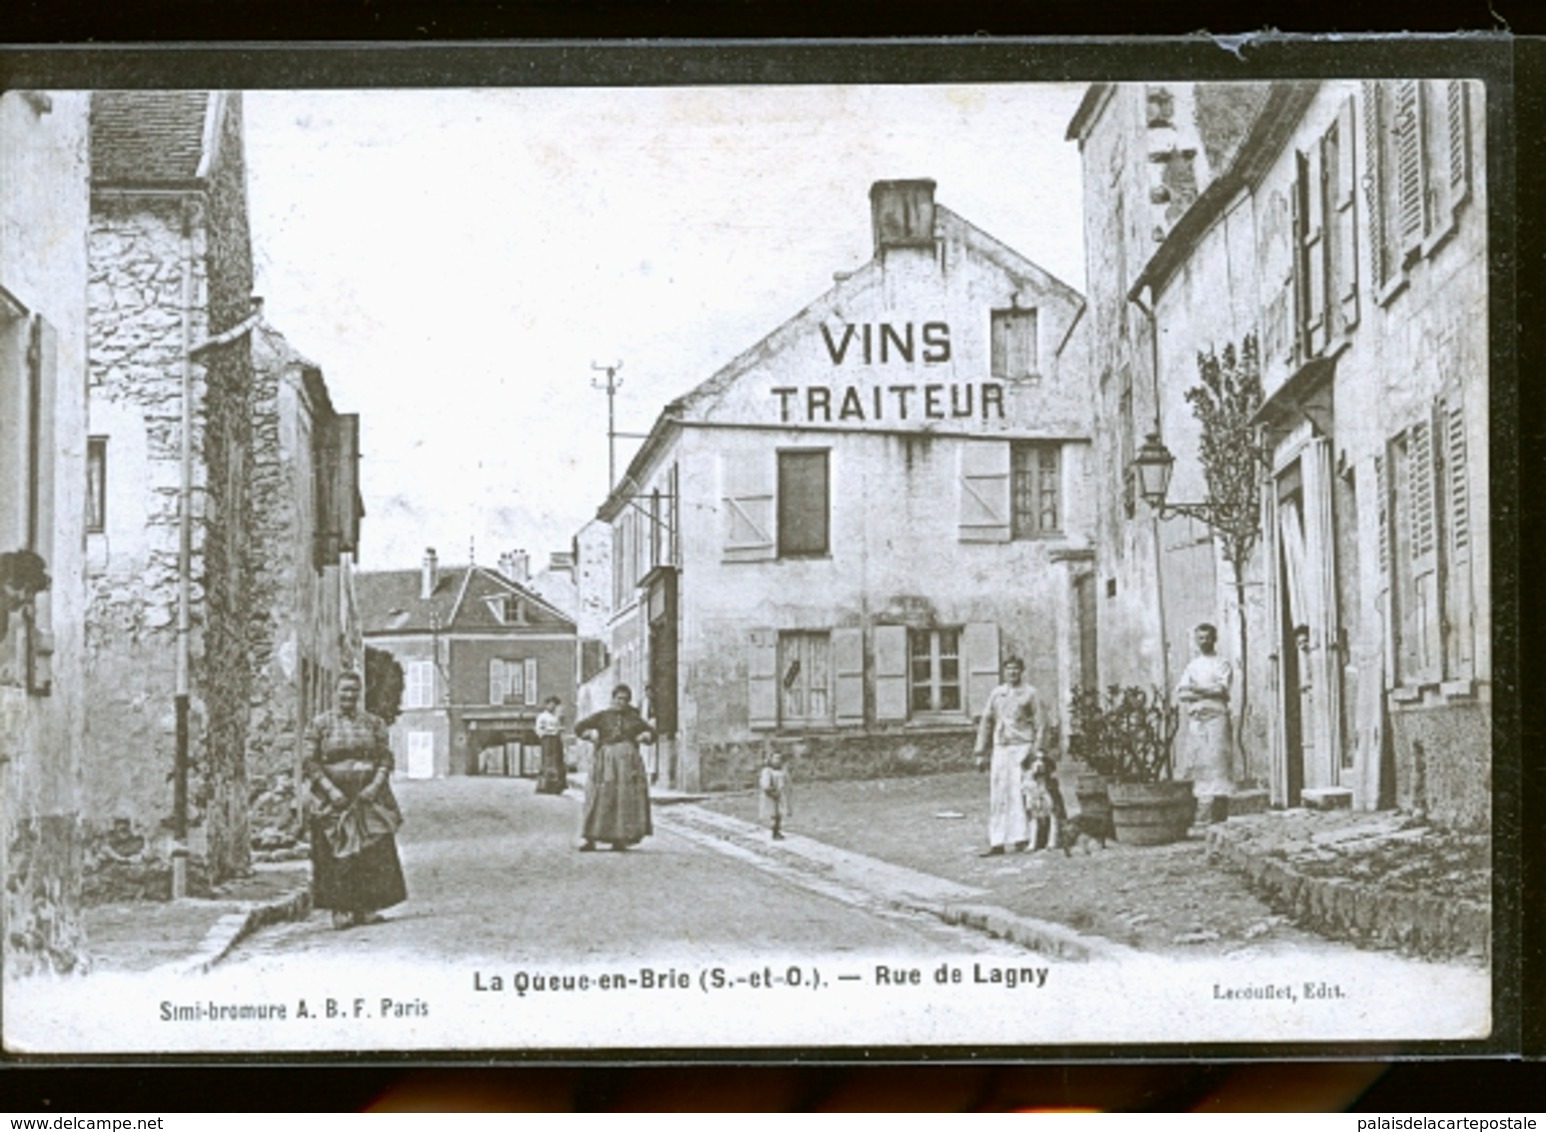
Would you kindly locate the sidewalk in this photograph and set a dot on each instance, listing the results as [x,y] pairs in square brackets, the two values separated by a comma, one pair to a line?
[1251,885]
[194,934]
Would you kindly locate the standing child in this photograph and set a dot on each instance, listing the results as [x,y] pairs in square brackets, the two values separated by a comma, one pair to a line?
[774,803]
[1044,809]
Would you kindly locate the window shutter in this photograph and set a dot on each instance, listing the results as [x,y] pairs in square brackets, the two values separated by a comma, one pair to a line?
[496,681]
[1424,550]
[1458,114]
[1374,160]
[1316,329]
[1407,125]
[748,500]
[985,491]
[530,667]
[979,646]
[1458,511]
[1345,221]
[1298,286]
[1390,631]
[345,520]
[890,673]
[848,676]
[762,679]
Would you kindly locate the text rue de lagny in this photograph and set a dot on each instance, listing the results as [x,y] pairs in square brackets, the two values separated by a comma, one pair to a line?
[885,343]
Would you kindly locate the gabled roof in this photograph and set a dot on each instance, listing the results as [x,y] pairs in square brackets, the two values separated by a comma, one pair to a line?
[148,137]
[389,603]
[948,225]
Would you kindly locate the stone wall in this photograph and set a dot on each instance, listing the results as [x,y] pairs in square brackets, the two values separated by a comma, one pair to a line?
[825,758]
[135,360]
[1441,764]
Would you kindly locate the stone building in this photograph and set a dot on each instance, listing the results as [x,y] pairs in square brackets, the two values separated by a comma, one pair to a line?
[480,652]
[170,435]
[1342,228]
[44,202]
[304,529]
[831,543]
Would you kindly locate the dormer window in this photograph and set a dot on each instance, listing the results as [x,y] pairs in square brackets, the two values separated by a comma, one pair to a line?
[509,609]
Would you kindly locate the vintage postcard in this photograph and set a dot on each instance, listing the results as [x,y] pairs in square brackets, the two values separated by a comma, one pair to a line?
[730,565]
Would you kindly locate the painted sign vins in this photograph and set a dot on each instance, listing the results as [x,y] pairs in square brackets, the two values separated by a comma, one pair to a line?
[880,341]
[884,343]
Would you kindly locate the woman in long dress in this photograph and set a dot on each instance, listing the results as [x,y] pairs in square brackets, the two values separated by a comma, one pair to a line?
[355,871]
[554,778]
[617,793]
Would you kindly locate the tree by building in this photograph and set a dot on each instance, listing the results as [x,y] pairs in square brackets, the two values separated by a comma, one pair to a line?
[1233,455]
[383,684]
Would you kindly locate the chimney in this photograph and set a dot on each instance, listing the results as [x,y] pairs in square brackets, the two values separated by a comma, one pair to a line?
[507,563]
[431,576]
[903,214]
[520,567]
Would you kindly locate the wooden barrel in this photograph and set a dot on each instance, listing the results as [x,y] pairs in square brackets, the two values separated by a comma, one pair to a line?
[1094,803]
[1151,813]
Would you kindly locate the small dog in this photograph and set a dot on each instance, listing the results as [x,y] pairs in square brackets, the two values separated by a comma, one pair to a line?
[1083,827]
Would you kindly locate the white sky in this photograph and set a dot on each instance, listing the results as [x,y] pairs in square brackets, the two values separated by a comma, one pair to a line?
[456,260]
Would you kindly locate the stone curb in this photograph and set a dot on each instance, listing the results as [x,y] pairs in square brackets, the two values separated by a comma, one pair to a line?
[1412,922]
[234,927]
[1049,939]
[1045,938]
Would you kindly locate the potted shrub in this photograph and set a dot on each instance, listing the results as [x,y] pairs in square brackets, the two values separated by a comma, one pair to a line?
[1126,736]
[1086,720]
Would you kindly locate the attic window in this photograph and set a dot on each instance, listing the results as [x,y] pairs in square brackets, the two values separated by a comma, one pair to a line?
[509,609]
[1014,344]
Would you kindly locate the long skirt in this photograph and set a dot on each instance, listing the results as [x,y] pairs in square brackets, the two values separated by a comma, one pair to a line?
[617,796]
[553,778]
[366,881]
[1006,805]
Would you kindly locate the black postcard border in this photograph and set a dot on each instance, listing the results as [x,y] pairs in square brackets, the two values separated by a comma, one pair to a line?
[1513,112]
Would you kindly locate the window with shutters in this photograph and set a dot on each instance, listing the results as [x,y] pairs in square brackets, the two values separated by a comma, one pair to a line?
[934,670]
[805,679]
[1014,344]
[419,684]
[804,504]
[511,681]
[1036,489]
[1325,277]
[1418,170]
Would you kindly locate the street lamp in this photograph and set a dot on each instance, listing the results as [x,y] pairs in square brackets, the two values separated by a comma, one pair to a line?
[1153,466]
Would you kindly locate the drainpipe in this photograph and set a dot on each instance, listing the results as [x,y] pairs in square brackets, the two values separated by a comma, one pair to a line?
[1154,520]
[184,572]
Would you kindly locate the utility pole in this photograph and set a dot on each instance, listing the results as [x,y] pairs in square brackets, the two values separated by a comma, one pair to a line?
[614,383]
